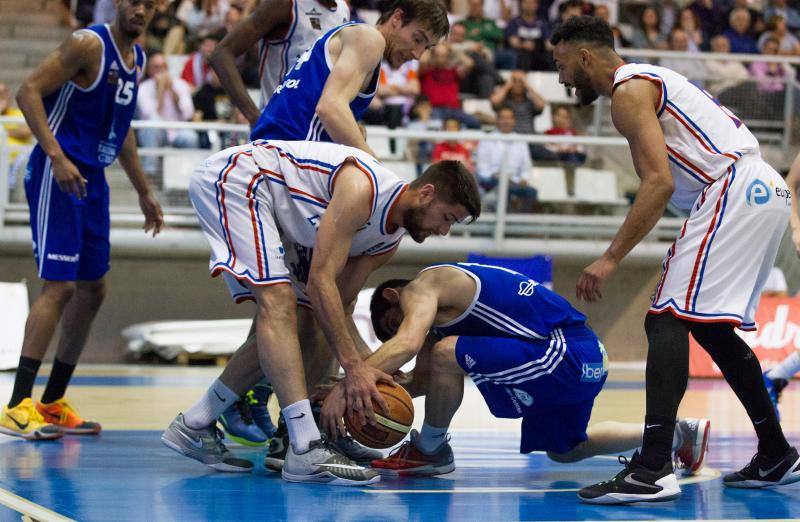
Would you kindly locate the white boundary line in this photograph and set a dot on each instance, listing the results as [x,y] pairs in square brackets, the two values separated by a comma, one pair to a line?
[31,509]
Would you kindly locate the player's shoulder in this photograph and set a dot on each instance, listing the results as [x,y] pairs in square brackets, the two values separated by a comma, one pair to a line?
[363,37]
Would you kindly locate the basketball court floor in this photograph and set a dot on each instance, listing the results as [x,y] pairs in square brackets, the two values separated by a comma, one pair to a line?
[127,474]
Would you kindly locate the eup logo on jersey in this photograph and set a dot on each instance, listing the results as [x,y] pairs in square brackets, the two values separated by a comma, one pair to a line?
[757,193]
[524,397]
[526,287]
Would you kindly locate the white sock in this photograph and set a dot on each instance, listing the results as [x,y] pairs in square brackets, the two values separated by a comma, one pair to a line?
[787,368]
[301,425]
[430,439]
[207,410]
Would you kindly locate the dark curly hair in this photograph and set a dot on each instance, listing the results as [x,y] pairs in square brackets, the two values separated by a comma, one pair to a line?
[379,305]
[584,29]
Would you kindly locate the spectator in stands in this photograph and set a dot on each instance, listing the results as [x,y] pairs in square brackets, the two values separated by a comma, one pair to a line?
[571,154]
[163,98]
[710,14]
[756,18]
[203,17]
[780,8]
[723,75]
[739,32]
[601,11]
[422,119]
[501,11]
[690,24]
[454,149]
[233,138]
[233,17]
[562,10]
[771,81]
[441,70]
[648,35]
[165,32]
[397,90]
[211,103]
[510,157]
[692,69]
[18,134]
[526,103]
[481,79]
[486,31]
[197,71]
[776,28]
[527,35]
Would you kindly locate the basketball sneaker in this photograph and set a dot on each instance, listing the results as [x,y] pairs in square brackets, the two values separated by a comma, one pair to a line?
[278,445]
[763,472]
[238,423]
[60,413]
[690,456]
[774,389]
[203,445]
[409,460]
[322,464]
[635,483]
[258,398]
[24,421]
[354,451]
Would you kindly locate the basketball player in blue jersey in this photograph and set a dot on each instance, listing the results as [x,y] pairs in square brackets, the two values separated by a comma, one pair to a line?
[321,98]
[529,352]
[79,104]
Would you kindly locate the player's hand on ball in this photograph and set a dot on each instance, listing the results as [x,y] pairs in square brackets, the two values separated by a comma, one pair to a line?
[332,413]
[359,382]
[68,177]
[593,278]
[153,216]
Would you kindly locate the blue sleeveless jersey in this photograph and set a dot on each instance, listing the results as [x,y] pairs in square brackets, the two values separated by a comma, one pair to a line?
[290,114]
[509,304]
[91,124]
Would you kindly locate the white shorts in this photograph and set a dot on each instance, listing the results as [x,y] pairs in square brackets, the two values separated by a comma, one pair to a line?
[240,225]
[716,268]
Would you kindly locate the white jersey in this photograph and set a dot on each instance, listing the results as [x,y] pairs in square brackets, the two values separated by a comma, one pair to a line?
[703,137]
[310,20]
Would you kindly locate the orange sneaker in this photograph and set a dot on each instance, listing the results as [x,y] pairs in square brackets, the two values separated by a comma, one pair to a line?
[61,414]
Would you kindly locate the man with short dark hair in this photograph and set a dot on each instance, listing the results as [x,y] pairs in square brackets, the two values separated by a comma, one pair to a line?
[688,149]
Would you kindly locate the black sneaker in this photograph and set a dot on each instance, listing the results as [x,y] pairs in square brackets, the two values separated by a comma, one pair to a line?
[278,445]
[634,484]
[763,472]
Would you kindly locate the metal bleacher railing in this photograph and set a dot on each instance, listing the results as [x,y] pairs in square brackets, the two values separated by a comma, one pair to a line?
[498,231]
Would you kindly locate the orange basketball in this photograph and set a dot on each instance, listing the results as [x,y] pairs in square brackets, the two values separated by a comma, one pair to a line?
[391,427]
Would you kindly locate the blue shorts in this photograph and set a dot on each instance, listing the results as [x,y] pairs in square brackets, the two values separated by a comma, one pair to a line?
[551,383]
[70,235]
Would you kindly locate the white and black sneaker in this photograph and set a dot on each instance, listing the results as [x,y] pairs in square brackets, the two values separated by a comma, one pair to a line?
[203,445]
[634,484]
[763,472]
[354,451]
[321,464]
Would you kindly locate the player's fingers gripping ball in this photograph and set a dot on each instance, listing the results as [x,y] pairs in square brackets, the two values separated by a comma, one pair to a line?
[392,426]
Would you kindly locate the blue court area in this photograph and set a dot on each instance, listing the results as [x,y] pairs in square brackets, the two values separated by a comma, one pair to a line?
[126,474]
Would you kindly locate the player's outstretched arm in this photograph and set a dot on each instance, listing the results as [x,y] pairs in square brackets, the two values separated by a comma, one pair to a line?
[129,159]
[634,115]
[348,210]
[361,51]
[266,21]
[78,54]
[793,182]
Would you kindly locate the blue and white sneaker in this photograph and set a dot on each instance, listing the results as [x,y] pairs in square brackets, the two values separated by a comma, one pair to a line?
[774,389]
[240,426]
[257,399]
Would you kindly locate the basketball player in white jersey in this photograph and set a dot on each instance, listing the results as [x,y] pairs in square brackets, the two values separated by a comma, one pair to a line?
[283,30]
[688,149]
[255,202]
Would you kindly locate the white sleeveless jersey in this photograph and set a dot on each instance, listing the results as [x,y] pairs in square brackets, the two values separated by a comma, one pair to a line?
[310,20]
[301,178]
[703,137]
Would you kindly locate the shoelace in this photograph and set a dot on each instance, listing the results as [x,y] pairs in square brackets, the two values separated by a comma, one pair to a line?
[218,436]
[244,411]
[402,451]
[622,459]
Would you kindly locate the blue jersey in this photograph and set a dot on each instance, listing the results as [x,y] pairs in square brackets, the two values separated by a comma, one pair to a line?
[509,304]
[91,124]
[290,114]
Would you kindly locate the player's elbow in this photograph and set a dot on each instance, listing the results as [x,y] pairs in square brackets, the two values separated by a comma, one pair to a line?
[326,109]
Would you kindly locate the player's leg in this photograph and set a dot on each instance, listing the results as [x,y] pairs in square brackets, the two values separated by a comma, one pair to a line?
[428,452]
[76,322]
[776,462]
